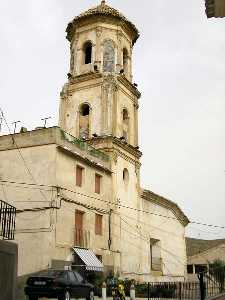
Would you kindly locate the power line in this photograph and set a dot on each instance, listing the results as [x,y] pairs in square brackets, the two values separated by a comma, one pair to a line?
[20,153]
[112,203]
[140,210]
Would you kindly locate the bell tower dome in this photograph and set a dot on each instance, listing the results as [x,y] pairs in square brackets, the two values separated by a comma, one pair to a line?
[101,40]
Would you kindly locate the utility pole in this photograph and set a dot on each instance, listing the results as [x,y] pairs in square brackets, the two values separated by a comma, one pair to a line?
[1,120]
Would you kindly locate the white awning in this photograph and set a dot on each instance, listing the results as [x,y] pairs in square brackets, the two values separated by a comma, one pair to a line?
[90,260]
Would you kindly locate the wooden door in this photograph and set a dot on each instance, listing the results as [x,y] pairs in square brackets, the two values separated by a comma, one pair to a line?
[79,228]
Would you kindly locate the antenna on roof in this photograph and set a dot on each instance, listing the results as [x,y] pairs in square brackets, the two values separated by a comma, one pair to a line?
[15,125]
[45,121]
[1,121]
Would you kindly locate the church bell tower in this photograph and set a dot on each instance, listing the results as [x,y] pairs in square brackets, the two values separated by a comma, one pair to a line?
[100,99]
[99,104]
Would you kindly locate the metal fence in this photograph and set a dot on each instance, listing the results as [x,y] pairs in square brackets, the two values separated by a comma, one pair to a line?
[209,284]
[7,220]
[169,290]
[214,282]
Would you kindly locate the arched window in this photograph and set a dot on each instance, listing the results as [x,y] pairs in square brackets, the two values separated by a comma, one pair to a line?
[125,124]
[84,121]
[87,49]
[125,175]
[125,115]
[125,61]
[85,110]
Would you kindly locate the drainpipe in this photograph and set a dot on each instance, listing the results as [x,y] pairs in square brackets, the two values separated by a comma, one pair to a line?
[110,234]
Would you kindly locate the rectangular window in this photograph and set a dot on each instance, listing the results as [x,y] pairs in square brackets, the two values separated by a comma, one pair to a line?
[200,268]
[98,183]
[99,257]
[79,175]
[190,269]
[98,224]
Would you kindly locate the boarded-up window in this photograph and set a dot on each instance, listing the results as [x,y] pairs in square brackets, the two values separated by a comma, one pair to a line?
[109,57]
[98,183]
[79,175]
[98,224]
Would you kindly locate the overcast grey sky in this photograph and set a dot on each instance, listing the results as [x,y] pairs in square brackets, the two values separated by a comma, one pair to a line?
[179,65]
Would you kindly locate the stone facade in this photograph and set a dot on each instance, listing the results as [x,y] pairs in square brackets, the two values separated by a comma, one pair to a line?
[51,179]
[215,8]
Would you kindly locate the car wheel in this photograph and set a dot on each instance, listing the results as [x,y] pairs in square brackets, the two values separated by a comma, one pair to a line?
[91,296]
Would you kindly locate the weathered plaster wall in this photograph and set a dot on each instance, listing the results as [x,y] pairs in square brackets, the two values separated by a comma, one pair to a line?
[171,234]
[33,229]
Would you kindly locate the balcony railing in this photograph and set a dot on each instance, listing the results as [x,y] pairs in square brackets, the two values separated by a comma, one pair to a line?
[156,264]
[7,220]
[81,238]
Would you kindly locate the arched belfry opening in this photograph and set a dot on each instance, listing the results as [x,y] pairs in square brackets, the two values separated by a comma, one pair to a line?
[125,125]
[125,61]
[87,53]
[84,121]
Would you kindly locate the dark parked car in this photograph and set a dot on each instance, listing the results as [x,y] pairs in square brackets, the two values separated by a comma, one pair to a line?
[61,284]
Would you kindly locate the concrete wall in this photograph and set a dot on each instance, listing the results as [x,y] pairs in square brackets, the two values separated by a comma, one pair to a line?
[8,270]
[33,229]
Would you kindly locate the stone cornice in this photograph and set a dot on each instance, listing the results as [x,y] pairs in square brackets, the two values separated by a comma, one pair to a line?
[85,159]
[85,77]
[215,8]
[159,200]
[95,75]
[122,79]
[63,141]
[114,140]
[127,147]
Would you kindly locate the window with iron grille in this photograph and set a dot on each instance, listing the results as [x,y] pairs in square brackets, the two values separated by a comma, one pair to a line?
[7,220]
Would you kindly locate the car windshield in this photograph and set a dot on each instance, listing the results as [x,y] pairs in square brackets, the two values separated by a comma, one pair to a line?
[79,277]
[52,273]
